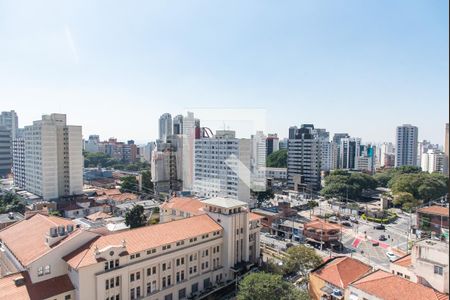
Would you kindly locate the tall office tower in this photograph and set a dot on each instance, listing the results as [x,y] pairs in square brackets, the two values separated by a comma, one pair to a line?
[129,151]
[304,159]
[366,159]
[335,150]
[325,148]
[165,126]
[222,166]
[10,120]
[258,161]
[349,152]
[292,131]
[446,146]
[92,144]
[433,161]
[5,151]
[272,143]
[18,160]
[53,158]
[178,124]
[406,145]
[422,148]
[188,140]
[198,129]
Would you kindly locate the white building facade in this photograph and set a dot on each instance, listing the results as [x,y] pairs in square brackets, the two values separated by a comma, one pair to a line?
[406,145]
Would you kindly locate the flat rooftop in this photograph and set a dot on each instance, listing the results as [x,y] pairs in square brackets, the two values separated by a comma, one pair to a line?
[438,245]
[224,202]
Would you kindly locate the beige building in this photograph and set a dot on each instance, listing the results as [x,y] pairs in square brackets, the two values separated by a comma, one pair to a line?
[427,264]
[172,260]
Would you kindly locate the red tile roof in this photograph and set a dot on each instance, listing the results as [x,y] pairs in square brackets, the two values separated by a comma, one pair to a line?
[320,224]
[340,271]
[29,291]
[254,217]
[186,204]
[435,210]
[141,239]
[98,216]
[387,286]
[404,261]
[26,239]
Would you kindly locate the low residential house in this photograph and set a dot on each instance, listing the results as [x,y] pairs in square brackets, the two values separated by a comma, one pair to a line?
[82,207]
[9,219]
[387,286]
[274,213]
[289,229]
[433,219]
[403,267]
[148,205]
[322,232]
[180,208]
[330,280]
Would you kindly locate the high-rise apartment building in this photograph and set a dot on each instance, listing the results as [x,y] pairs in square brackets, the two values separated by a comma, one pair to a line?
[325,148]
[433,161]
[406,145]
[272,143]
[335,149]
[5,151]
[222,166]
[10,120]
[188,140]
[385,153]
[92,144]
[258,161]
[165,126]
[53,158]
[304,158]
[18,159]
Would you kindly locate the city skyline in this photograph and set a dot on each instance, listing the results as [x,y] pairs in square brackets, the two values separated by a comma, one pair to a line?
[360,68]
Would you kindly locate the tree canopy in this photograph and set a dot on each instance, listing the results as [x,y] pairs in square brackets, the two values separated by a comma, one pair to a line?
[10,202]
[129,184]
[300,259]
[100,159]
[343,184]
[262,286]
[135,217]
[147,184]
[277,159]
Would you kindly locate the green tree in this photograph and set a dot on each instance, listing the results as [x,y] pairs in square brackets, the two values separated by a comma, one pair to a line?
[277,159]
[383,178]
[263,196]
[129,184]
[135,217]
[147,184]
[263,286]
[402,198]
[300,259]
[10,202]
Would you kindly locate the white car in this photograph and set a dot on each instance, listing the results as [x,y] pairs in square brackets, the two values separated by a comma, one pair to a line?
[391,256]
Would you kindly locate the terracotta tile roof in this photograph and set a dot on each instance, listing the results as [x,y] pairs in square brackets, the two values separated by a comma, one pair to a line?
[254,217]
[404,261]
[26,239]
[123,197]
[341,271]
[110,192]
[186,204]
[143,238]
[29,291]
[98,216]
[435,210]
[320,224]
[387,286]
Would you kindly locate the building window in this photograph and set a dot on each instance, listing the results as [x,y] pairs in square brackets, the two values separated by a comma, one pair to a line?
[117,263]
[132,294]
[149,272]
[149,288]
[138,292]
[438,270]
[132,277]
[132,256]
[107,284]
[168,297]
[154,270]
[182,294]
[194,288]
[67,297]
[40,271]
[164,267]
[117,281]
[47,269]
[138,275]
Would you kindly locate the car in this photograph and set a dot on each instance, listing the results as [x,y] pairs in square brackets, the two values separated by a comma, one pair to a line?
[309,246]
[353,220]
[379,227]
[391,256]
[382,238]
[346,218]
[333,220]
[375,243]
[346,224]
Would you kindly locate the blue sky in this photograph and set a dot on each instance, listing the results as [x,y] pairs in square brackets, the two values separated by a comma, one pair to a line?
[361,67]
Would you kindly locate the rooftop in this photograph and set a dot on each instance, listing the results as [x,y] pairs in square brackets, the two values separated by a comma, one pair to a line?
[224,202]
[320,224]
[404,261]
[186,204]
[143,238]
[387,286]
[435,210]
[273,211]
[341,271]
[438,245]
[5,218]
[29,234]
[29,291]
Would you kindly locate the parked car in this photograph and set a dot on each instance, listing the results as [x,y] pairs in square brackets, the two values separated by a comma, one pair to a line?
[391,256]
[354,220]
[382,237]
[379,227]
[375,243]
[345,218]
[333,220]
